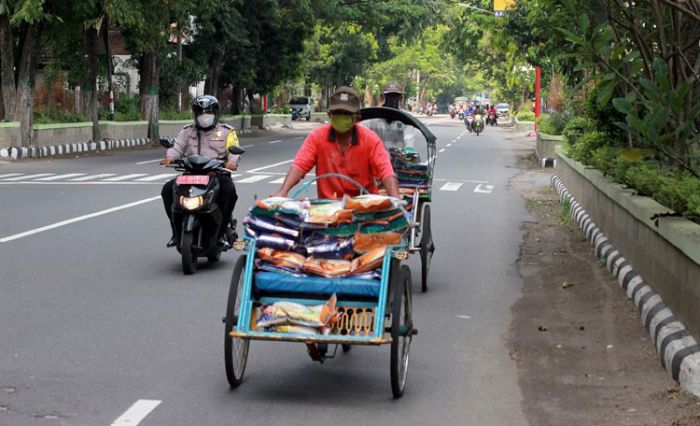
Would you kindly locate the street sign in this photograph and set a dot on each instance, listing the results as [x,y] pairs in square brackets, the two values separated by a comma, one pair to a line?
[500,7]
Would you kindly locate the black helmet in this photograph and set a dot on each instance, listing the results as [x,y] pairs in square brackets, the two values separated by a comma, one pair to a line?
[392,87]
[205,105]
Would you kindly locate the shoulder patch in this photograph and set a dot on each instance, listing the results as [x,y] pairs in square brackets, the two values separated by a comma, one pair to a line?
[188,126]
[227,126]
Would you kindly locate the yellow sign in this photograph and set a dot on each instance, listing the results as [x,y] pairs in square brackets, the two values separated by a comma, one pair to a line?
[503,5]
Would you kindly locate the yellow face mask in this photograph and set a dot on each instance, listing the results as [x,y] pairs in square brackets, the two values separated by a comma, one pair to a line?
[341,123]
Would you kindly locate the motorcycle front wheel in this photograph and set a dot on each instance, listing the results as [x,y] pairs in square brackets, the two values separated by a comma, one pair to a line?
[189,259]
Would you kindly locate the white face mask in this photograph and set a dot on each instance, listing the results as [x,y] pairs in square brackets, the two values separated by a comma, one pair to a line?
[205,120]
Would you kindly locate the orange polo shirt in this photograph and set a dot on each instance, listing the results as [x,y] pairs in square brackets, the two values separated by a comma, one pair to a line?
[365,160]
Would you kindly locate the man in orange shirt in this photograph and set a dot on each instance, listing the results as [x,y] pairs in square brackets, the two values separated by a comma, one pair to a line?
[344,148]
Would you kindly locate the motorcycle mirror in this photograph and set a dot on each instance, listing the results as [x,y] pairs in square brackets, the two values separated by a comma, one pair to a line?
[236,150]
[167,142]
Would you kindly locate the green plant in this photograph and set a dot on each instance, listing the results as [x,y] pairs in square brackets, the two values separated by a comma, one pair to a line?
[565,213]
[605,159]
[55,116]
[127,108]
[575,128]
[583,149]
[644,178]
[526,116]
[175,115]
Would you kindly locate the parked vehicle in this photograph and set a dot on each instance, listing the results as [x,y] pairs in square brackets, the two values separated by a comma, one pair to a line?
[502,109]
[197,219]
[301,107]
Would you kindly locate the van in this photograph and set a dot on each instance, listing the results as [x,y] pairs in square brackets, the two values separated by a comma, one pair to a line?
[301,107]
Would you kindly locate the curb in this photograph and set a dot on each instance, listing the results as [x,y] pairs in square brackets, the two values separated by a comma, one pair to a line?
[678,351]
[16,153]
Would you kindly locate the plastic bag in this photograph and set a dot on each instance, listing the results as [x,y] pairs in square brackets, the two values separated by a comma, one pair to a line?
[328,212]
[329,268]
[296,329]
[281,205]
[372,203]
[371,260]
[329,247]
[283,259]
[297,314]
[267,223]
[367,242]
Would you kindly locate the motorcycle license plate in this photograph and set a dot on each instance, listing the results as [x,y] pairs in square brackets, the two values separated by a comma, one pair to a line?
[192,180]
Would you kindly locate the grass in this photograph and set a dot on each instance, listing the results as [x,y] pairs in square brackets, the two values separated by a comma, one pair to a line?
[565,214]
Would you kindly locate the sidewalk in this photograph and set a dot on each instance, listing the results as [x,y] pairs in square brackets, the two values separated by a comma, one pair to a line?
[583,356]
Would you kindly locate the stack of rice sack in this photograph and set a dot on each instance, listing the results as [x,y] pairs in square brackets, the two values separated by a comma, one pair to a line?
[408,168]
[325,238]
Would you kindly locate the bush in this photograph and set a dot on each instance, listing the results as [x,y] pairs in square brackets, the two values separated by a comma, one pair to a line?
[526,116]
[127,108]
[589,142]
[605,159]
[575,128]
[604,117]
[645,179]
[175,115]
[56,116]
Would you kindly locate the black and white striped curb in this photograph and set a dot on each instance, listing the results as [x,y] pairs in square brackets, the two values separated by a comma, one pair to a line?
[16,153]
[677,349]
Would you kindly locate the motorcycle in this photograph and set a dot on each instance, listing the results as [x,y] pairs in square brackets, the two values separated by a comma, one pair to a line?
[478,124]
[492,119]
[196,218]
[461,115]
[469,122]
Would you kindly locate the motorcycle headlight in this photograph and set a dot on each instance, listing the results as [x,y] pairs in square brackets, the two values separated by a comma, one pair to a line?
[191,203]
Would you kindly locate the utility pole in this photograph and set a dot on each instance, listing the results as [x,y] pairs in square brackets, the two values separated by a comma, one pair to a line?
[110,70]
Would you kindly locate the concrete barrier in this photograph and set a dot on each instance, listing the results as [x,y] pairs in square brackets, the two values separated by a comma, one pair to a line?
[523,126]
[544,149]
[663,248]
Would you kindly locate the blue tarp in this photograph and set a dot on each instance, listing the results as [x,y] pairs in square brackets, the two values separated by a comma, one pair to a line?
[275,282]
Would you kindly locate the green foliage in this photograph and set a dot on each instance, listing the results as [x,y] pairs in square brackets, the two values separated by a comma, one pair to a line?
[57,116]
[582,149]
[126,108]
[604,116]
[575,128]
[172,114]
[525,116]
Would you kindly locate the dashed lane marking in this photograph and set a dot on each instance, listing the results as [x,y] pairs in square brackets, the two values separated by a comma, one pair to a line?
[7,175]
[451,186]
[34,176]
[59,177]
[270,166]
[92,177]
[149,161]
[483,188]
[254,178]
[76,219]
[125,177]
[137,412]
[278,181]
[277,141]
[156,177]
[246,146]
[442,150]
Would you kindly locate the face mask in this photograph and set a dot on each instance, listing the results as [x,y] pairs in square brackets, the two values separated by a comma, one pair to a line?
[341,123]
[205,120]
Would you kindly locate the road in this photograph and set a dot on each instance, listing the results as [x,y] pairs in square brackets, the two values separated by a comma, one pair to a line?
[99,323]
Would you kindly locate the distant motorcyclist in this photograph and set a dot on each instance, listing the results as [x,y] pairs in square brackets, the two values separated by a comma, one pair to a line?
[205,136]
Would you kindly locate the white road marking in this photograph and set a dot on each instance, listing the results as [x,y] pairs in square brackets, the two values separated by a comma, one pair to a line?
[156,177]
[254,178]
[58,177]
[149,161]
[278,181]
[483,188]
[300,137]
[451,186]
[270,166]
[277,141]
[125,177]
[14,179]
[31,182]
[464,316]
[137,412]
[442,150]
[460,180]
[91,177]
[77,219]
[7,175]
[246,146]
[449,145]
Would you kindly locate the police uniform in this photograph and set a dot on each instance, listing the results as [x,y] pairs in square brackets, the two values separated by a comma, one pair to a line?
[213,143]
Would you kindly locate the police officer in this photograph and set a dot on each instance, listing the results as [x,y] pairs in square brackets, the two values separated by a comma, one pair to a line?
[206,136]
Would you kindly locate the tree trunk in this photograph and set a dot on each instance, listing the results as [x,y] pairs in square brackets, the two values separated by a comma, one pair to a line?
[91,99]
[7,72]
[236,100]
[211,85]
[24,108]
[150,79]
[254,105]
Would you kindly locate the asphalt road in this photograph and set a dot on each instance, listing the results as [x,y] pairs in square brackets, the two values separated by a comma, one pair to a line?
[96,315]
